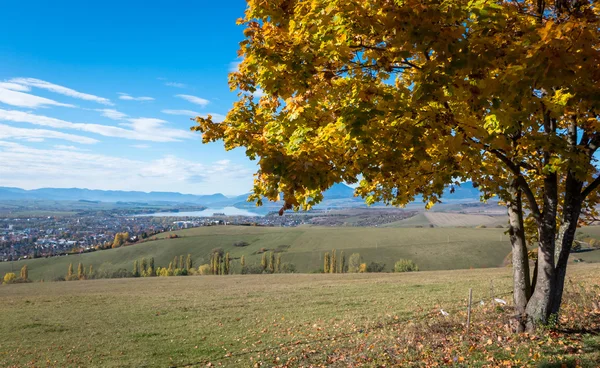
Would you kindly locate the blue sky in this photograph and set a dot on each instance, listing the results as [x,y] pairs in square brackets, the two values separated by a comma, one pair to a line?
[99,94]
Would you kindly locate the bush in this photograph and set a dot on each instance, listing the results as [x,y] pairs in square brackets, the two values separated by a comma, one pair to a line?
[405,265]
[375,267]
[254,270]
[354,263]
[363,268]
[241,244]
[204,269]
[288,268]
[10,278]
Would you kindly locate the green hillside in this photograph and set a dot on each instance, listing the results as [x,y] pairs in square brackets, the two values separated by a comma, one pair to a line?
[431,249]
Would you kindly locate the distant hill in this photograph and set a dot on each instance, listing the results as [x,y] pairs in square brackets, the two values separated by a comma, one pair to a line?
[77,194]
[339,195]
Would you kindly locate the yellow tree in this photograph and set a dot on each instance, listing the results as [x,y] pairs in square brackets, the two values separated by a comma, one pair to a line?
[24,273]
[408,97]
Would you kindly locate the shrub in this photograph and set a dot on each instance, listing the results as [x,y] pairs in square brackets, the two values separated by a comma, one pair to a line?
[241,244]
[405,265]
[326,263]
[254,269]
[204,269]
[263,261]
[375,267]
[218,251]
[288,268]
[362,268]
[354,263]
[10,278]
[594,243]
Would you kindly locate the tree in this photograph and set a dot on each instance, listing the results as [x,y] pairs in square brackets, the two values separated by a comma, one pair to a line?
[354,262]
[277,263]
[70,272]
[80,271]
[24,273]
[243,265]
[143,266]
[263,261]
[408,98]
[151,263]
[332,262]
[136,269]
[342,264]
[326,263]
[91,272]
[181,263]
[188,262]
[271,262]
[227,263]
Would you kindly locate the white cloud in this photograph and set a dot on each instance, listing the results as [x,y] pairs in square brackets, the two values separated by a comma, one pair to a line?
[68,148]
[189,113]
[140,146]
[145,129]
[175,84]
[195,100]
[126,97]
[14,87]
[20,99]
[66,168]
[32,82]
[112,114]
[38,135]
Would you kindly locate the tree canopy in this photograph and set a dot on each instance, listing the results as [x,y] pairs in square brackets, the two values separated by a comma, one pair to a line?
[407,97]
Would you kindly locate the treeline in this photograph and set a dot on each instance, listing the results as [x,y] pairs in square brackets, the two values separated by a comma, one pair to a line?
[11,277]
[337,264]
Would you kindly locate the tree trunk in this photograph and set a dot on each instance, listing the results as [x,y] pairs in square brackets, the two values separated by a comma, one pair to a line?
[566,235]
[520,261]
[539,306]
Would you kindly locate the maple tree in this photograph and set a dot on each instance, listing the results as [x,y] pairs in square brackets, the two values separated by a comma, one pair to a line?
[408,97]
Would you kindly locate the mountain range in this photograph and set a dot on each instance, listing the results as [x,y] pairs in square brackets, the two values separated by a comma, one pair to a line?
[339,194]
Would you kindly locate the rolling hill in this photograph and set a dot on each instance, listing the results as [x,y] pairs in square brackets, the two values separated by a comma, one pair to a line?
[431,249]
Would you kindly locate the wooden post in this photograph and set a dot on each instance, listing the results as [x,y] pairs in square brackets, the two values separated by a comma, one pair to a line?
[469,309]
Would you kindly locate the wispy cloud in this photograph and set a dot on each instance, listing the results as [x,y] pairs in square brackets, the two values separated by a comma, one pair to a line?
[144,129]
[68,148]
[140,146]
[112,114]
[175,84]
[16,98]
[14,87]
[194,99]
[39,135]
[189,113]
[127,97]
[32,82]
[64,167]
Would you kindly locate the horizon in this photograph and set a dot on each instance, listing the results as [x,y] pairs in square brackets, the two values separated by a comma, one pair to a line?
[113,108]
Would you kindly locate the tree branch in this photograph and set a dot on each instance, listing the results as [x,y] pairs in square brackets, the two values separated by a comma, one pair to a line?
[535,209]
[591,187]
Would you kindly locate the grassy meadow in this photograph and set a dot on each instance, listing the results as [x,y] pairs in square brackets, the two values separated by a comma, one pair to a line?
[430,248]
[269,320]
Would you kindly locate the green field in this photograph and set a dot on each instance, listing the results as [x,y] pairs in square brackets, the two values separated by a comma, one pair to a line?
[431,249]
[240,320]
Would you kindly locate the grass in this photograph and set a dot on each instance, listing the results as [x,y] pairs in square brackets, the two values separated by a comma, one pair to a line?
[159,322]
[431,249]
